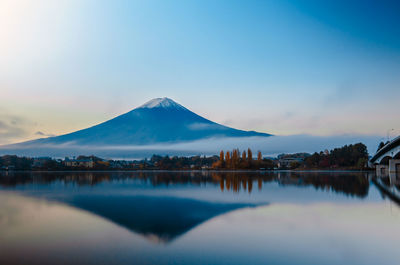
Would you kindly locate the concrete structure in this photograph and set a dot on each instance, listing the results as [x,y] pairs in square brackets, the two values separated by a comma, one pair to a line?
[387,160]
[394,167]
[382,170]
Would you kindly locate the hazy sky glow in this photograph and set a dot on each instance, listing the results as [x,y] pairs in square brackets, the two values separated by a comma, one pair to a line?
[282,67]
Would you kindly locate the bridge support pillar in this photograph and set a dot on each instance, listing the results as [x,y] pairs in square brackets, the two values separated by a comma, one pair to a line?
[382,170]
[394,168]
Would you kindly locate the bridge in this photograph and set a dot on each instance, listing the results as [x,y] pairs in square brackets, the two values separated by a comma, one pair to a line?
[387,160]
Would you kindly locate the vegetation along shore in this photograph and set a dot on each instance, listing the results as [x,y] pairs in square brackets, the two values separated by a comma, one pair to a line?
[348,157]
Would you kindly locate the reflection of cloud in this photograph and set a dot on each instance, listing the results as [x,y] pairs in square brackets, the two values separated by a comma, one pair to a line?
[333,227]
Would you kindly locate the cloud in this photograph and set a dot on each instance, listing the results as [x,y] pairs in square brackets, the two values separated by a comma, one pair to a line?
[269,146]
[9,133]
[13,128]
[2,125]
[8,129]
[39,133]
[200,126]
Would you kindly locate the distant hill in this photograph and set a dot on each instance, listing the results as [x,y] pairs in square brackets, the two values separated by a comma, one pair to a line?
[161,120]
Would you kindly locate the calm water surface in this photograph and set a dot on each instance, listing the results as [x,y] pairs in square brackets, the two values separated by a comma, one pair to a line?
[196,218]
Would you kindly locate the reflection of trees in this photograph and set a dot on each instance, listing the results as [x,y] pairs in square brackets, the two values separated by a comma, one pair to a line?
[93,178]
[79,178]
[237,181]
[355,184]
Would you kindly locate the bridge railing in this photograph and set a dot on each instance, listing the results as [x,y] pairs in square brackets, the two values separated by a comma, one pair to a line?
[382,150]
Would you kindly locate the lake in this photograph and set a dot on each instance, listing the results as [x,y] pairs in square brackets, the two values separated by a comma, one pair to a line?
[196,218]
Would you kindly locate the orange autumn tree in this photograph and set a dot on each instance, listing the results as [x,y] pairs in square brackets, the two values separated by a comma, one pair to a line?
[241,160]
[228,159]
[249,157]
[259,156]
[220,163]
[235,158]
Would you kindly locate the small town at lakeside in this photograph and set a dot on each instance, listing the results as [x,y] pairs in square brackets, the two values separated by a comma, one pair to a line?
[348,157]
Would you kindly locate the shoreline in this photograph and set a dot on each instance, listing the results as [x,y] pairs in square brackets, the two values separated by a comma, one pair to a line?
[200,170]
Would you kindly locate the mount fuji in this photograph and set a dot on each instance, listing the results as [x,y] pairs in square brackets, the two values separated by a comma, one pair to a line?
[160,120]
[164,127]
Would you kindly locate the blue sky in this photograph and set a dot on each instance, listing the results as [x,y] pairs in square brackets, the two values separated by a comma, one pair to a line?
[282,67]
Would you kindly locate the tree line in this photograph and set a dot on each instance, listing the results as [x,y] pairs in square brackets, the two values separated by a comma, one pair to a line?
[353,156]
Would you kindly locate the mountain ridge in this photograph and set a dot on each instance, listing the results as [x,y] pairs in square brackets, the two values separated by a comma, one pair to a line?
[160,120]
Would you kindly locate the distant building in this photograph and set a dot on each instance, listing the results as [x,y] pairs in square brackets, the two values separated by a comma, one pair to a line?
[115,164]
[8,168]
[40,161]
[86,163]
[286,162]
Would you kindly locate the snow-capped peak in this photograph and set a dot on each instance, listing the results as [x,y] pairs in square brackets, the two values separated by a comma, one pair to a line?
[161,103]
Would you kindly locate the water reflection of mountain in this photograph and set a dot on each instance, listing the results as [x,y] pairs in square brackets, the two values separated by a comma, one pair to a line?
[164,217]
[160,219]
